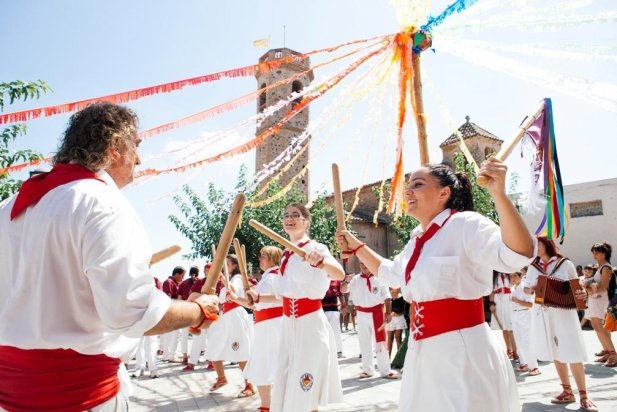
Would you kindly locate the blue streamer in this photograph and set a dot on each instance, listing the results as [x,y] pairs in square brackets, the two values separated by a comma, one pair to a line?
[456,7]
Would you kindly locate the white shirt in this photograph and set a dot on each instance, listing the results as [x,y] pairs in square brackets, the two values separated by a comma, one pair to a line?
[519,293]
[268,284]
[457,262]
[75,274]
[238,286]
[362,296]
[565,271]
[301,280]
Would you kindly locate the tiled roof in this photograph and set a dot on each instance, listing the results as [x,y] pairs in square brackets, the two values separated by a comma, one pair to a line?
[469,129]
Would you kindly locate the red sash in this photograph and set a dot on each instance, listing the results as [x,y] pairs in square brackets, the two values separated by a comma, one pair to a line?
[227,306]
[295,308]
[435,317]
[502,290]
[33,189]
[55,379]
[378,320]
[267,314]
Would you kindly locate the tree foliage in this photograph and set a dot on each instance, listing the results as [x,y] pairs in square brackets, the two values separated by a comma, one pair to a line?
[16,90]
[202,220]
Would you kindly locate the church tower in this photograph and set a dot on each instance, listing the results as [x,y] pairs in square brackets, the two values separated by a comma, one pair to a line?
[279,141]
[480,142]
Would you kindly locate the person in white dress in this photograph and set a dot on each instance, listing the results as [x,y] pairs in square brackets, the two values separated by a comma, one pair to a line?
[597,302]
[501,312]
[371,297]
[555,332]
[230,338]
[454,362]
[307,376]
[268,309]
[521,324]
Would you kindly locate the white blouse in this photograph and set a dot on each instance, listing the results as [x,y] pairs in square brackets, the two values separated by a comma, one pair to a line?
[362,296]
[300,279]
[457,262]
[269,284]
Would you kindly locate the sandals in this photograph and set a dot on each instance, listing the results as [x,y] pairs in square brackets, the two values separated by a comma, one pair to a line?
[188,367]
[601,353]
[263,409]
[566,396]
[522,368]
[391,375]
[534,372]
[611,359]
[248,390]
[586,403]
[364,375]
[219,383]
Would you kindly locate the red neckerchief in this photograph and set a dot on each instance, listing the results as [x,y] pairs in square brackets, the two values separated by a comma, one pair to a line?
[420,241]
[33,189]
[368,280]
[544,265]
[274,270]
[287,254]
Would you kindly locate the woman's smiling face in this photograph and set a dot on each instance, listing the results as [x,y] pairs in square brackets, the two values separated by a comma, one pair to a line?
[425,197]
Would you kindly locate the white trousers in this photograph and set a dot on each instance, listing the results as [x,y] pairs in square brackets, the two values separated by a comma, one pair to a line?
[170,344]
[198,343]
[146,353]
[366,336]
[521,326]
[334,318]
[184,341]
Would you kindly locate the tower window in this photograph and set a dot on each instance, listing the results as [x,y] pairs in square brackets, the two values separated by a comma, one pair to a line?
[296,87]
[278,54]
[262,98]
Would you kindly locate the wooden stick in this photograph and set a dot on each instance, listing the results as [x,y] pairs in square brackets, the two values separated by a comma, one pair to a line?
[244,258]
[213,251]
[509,146]
[241,264]
[276,237]
[221,252]
[418,108]
[338,198]
[164,254]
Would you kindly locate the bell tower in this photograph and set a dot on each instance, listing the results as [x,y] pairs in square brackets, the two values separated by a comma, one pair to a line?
[278,142]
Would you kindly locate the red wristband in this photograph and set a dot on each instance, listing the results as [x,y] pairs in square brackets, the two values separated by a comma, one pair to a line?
[211,316]
[353,251]
[319,264]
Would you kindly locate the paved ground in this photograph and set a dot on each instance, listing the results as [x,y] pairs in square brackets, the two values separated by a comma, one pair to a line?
[175,390]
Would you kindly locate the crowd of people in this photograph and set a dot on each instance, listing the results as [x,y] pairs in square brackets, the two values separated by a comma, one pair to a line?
[88,297]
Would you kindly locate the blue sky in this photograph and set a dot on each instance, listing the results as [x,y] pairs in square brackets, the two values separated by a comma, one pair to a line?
[88,49]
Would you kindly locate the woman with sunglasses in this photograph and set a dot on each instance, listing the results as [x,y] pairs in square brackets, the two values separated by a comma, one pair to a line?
[307,375]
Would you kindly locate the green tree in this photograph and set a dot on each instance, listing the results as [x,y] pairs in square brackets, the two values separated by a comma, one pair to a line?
[483,203]
[202,220]
[16,90]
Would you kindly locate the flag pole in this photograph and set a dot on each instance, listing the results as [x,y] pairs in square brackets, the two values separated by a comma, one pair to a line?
[509,146]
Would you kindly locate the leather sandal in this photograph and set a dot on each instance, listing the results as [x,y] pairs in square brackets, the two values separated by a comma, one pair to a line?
[219,383]
[602,352]
[566,396]
[522,368]
[534,372]
[263,409]
[364,375]
[586,403]
[611,360]
[247,391]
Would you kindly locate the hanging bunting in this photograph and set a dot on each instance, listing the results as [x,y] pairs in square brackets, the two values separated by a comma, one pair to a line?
[124,97]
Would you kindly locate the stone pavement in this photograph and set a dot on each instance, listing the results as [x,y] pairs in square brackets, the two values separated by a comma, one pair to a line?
[175,390]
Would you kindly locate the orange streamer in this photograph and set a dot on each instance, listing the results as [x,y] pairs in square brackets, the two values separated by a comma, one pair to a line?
[260,138]
[136,94]
[402,42]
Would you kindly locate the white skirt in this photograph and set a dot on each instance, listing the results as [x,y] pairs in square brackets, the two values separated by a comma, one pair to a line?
[398,322]
[503,311]
[307,375]
[556,335]
[459,371]
[230,337]
[263,363]
[596,307]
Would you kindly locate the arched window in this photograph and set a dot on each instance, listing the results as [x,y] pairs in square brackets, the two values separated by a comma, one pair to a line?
[262,98]
[296,86]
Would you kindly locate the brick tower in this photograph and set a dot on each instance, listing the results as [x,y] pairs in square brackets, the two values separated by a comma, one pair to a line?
[278,142]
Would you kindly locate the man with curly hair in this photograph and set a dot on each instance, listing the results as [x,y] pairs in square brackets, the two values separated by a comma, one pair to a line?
[74,265]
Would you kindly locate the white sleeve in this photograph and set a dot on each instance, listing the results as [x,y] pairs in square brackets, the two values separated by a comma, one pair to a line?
[392,272]
[116,256]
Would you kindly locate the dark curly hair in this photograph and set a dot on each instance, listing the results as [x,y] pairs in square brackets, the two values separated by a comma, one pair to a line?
[92,131]
[605,248]
[461,197]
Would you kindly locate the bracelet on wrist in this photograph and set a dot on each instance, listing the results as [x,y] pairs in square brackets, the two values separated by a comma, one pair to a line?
[257,300]
[207,316]
[319,264]
[354,251]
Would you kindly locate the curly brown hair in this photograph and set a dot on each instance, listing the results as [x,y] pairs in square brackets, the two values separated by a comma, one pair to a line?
[92,131]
